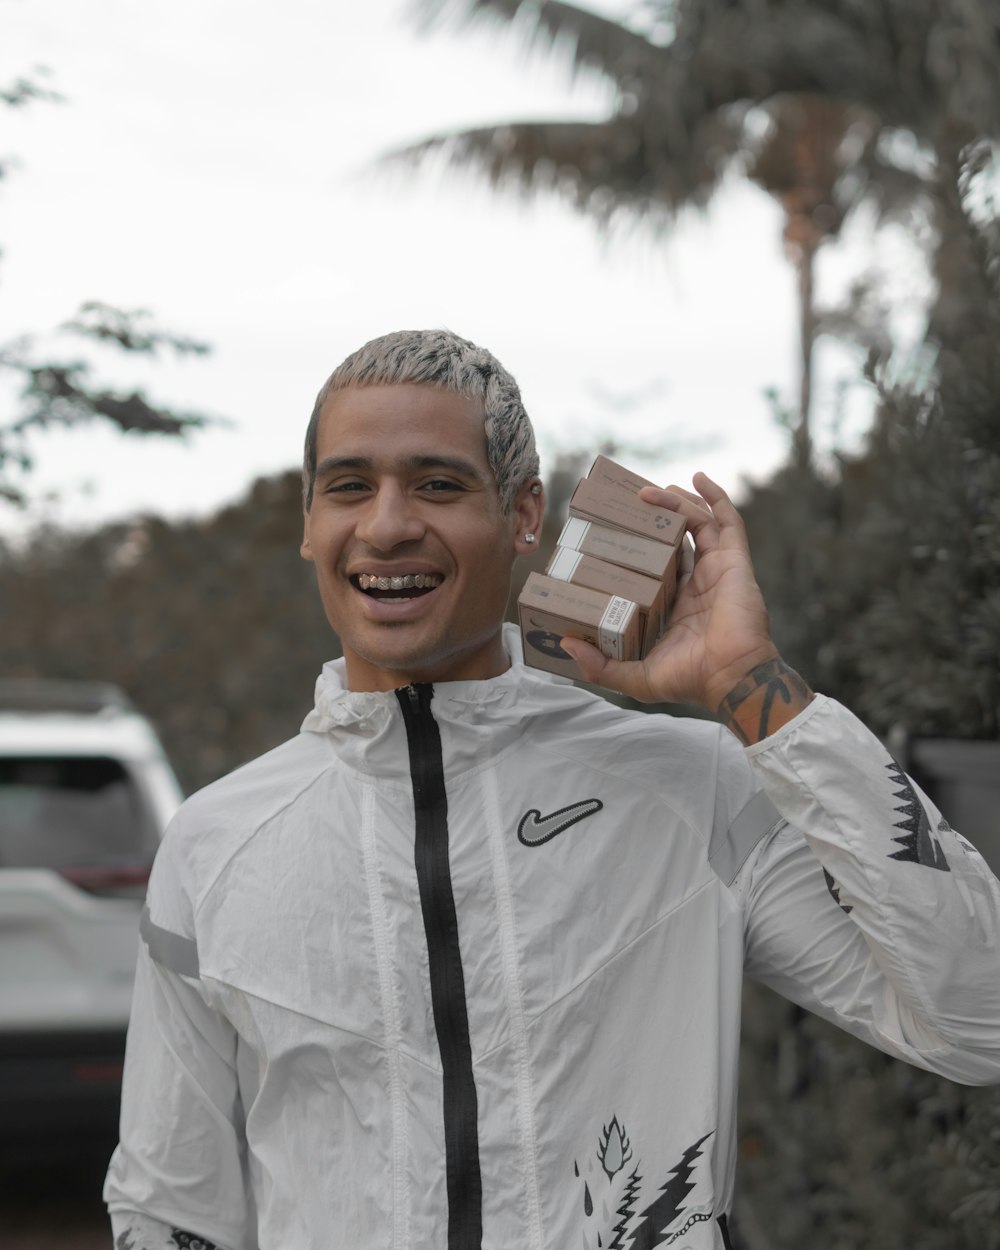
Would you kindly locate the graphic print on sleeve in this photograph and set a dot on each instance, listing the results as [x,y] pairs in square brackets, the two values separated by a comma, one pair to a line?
[188,1241]
[918,845]
[144,1233]
[834,889]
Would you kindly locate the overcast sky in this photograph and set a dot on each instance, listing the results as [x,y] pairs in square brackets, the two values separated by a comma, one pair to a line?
[214,161]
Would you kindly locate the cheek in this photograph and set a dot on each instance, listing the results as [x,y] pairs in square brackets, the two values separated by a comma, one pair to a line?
[488,572]
[325,538]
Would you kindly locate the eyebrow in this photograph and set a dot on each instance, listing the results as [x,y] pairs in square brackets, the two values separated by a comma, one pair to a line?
[436,461]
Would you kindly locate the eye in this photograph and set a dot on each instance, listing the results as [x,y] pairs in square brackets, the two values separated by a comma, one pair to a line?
[441,485]
[344,487]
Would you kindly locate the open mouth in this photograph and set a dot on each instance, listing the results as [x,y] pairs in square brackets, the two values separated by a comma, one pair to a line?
[401,588]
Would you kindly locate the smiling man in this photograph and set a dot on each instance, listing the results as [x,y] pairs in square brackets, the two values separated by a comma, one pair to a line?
[459,967]
[412,543]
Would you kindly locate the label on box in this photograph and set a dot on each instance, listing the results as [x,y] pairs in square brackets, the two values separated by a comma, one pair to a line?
[574,532]
[613,625]
[564,564]
[616,546]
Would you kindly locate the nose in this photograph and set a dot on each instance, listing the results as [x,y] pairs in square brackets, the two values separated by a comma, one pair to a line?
[388,519]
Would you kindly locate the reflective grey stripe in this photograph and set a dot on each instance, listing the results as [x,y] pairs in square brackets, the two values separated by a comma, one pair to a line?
[170,950]
[729,848]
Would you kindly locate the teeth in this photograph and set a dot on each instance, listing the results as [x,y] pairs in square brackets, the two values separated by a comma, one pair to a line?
[370,581]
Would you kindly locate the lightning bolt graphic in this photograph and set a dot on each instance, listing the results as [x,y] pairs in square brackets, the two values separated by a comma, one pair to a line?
[834,889]
[918,847]
[658,1217]
[626,1210]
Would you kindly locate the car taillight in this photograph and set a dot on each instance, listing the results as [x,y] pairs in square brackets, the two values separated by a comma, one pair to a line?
[109,880]
[97,1073]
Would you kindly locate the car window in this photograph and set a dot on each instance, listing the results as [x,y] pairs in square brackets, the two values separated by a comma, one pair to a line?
[62,811]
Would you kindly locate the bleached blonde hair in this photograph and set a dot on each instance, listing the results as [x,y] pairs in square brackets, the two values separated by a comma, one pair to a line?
[440,358]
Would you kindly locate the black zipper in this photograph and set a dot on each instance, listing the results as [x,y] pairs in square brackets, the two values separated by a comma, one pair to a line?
[451,1017]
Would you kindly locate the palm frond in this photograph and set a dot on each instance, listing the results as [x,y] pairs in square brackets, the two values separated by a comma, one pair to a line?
[600,167]
[907,60]
[592,41]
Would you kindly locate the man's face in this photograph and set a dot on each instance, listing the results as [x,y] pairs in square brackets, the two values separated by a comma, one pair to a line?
[412,552]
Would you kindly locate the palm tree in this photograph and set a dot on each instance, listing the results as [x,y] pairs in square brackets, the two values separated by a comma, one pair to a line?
[806,98]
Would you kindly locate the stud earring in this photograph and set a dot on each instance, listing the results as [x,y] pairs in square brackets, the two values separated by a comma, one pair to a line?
[537,488]
[529,538]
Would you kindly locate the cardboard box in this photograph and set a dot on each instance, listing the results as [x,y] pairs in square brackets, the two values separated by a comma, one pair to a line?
[608,473]
[550,610]
[647,593]
[644,555]
[617,506]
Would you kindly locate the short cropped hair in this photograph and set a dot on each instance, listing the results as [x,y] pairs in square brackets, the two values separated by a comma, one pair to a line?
[440,358]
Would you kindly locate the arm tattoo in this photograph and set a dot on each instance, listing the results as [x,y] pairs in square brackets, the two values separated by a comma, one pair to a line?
[750,710]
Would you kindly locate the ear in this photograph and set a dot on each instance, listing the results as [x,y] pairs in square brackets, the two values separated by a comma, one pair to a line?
[529,509]
[305,551]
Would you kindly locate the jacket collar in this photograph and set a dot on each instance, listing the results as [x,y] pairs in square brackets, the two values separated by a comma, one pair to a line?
[512,697]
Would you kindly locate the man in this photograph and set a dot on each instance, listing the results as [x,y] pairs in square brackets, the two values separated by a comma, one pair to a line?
[460,965]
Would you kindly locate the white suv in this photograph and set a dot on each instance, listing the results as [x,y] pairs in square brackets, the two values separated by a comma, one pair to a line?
[85,793]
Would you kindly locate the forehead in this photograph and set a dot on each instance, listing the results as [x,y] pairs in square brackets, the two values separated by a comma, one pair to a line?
[402,420]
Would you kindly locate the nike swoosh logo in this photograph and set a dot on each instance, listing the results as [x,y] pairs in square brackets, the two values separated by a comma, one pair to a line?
[534,828]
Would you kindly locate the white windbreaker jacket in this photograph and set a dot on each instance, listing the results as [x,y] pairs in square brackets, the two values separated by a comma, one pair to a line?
[460,966]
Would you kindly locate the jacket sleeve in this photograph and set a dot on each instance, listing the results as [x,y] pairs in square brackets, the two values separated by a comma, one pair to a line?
[131,1231]
[866,907]
[180,1166]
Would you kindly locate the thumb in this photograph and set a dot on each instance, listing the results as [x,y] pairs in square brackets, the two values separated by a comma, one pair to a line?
[599,670]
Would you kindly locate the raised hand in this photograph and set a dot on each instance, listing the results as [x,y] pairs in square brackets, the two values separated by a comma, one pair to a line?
[717,649]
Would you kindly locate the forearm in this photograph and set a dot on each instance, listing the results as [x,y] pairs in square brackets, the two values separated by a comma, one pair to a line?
[769,696]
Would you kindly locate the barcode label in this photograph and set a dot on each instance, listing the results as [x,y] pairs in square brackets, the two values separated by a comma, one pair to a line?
[615,621]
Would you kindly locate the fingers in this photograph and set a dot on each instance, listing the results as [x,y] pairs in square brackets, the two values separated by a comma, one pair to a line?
[673,497]
[722,506]
[710,514]
[686,568]
[710,495]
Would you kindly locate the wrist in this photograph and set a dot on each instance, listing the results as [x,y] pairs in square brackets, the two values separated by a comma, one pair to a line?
[767,697]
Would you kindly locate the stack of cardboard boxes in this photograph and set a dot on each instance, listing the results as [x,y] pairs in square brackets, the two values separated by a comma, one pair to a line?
[612,577]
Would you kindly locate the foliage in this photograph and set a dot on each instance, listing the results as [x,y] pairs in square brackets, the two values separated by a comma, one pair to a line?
[845,1148]
[213,627]
[59,391]
[881,575]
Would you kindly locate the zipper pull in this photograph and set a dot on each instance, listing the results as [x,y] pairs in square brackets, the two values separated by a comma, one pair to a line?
[415,699]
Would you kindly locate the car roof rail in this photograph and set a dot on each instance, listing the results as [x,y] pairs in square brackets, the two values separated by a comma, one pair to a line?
[31,694]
